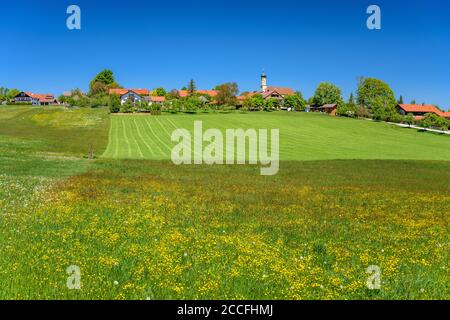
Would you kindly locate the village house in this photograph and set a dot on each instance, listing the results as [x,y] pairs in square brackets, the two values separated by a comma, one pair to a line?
[133,95]
[35,99]
[419,111]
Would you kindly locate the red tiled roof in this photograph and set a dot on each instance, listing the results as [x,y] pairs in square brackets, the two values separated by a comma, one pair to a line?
[420,108]
[120,92]
[157,99]
[47,97]
[185,93]
[281,90]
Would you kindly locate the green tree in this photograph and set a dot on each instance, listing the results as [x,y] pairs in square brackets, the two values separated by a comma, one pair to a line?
[98,88]
[373,92]
[258,101]
[382,110]
[62,99]
[349,109]
[12,93]
[192,104]
[191,88]
[114,103]
[328,93]
[102,82]
[247,104]
[409,119]
[295,102]
[159,92]
[226,94]
[106,77]
[400,100]
[271,104]
[3,94]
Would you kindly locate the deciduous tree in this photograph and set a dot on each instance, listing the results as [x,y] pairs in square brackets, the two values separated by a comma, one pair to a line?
[328,93]
[226,94]
[373,93]
[102,82]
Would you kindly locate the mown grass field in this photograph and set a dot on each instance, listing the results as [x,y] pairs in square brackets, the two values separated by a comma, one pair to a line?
[302,136]
[146,229]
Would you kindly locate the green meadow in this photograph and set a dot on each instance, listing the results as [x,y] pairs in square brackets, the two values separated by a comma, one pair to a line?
[302,136]
[349,194]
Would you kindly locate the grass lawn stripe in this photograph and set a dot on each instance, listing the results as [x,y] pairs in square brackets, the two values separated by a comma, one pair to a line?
[116,129]
[136,140]
[127,141]
[162,142]
[142,137]
[111,141]
[136,137]
[158,153]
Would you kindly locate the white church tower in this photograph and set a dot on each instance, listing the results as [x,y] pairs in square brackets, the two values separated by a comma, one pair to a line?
[263,82]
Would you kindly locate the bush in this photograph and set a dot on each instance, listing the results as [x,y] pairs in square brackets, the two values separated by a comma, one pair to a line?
[432,120]
[347,110]
[127,107]
[295,102]
[271,104]
[362,112]
[191,104]
[409,119]
[114,104]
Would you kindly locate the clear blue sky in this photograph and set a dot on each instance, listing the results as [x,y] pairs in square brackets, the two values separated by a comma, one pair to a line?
[166,43]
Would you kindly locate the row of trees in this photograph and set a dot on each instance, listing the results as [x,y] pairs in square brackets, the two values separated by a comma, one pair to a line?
[7,95]
[376,100]
[98,94]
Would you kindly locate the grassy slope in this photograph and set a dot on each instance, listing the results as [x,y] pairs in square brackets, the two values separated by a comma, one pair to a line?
[162,231]
[55,129]
[302,136]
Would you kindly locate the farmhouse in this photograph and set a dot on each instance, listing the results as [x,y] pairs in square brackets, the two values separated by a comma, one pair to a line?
[133,95]
[419,111]
[35,99]
[331,109]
